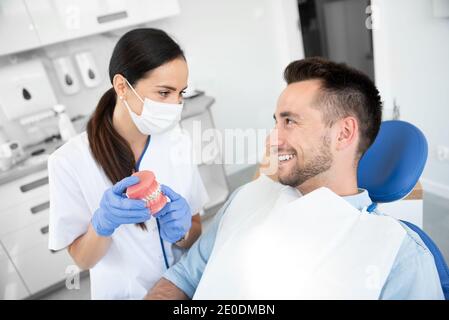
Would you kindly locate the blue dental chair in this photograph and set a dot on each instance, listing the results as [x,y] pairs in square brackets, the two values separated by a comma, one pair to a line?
[390,169]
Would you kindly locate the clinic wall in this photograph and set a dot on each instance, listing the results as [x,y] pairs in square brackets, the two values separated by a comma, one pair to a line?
[236,51]
[411,50]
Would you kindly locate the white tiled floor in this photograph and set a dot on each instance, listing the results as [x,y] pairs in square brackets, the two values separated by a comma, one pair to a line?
[83,293]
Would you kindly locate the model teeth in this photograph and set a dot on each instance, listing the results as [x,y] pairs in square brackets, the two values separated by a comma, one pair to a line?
[285,157]
[154,195]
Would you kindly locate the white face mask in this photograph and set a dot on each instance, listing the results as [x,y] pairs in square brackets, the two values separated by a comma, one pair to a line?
[156,117]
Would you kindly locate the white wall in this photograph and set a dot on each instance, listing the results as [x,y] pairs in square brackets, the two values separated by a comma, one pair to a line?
[411,53]
[236,51]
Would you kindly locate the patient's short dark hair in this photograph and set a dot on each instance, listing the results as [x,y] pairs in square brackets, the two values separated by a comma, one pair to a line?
[344,92]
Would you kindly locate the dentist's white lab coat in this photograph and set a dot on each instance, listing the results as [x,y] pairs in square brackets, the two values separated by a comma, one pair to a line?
[134,261]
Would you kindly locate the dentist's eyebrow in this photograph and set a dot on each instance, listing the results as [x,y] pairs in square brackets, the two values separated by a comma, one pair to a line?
[170,87]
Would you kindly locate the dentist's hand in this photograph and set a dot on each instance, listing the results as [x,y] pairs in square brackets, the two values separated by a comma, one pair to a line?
[116,209]
[175,218]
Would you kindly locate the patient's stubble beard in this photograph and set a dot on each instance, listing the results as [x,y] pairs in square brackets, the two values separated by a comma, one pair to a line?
[319,163]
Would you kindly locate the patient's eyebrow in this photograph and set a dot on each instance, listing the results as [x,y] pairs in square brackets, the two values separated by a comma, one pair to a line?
[289,114]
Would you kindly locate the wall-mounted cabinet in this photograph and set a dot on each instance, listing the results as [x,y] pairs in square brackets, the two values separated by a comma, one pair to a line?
[29,24]
[17,32]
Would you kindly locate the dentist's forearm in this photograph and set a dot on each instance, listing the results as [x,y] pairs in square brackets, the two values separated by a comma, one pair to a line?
[165,290]
[89,248]
[194,233]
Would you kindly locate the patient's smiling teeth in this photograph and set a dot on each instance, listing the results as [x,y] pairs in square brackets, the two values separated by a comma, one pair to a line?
[285,157]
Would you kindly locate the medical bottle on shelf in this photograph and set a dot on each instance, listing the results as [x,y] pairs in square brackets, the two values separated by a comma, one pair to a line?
[66,128]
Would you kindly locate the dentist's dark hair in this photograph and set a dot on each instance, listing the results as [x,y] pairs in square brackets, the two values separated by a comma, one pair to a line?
[136,54]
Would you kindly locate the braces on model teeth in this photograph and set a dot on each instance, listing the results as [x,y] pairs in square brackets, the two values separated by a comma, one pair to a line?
[154,195]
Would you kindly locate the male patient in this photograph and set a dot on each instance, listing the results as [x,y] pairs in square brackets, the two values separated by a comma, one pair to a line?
[326,118]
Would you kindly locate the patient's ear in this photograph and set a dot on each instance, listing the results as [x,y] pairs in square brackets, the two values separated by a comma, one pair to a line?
[348,133]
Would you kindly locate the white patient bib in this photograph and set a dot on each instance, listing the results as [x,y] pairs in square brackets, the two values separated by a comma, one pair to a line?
[274,244]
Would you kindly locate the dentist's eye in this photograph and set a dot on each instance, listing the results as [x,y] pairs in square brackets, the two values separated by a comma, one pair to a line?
[164,93]
[182,93]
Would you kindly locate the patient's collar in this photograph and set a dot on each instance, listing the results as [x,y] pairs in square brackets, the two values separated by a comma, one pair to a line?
[360,200]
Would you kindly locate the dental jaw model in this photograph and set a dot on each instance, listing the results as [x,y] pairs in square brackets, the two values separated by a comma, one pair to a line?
[148,190]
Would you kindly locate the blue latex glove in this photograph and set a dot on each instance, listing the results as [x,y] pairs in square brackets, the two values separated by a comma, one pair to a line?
[175,218]
[116,209]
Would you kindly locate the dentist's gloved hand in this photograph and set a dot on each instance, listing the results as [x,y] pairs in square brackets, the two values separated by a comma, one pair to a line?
[175,219]
[116,209]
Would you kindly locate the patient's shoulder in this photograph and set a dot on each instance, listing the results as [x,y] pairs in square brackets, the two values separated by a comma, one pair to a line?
[412,241]
[413,274]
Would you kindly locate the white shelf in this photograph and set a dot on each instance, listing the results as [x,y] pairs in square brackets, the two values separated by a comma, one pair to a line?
[215,183]
[212,174]
[210,158]
[217,194]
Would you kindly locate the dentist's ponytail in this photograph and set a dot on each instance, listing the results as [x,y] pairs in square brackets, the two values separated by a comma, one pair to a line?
[109,148]
[135,54]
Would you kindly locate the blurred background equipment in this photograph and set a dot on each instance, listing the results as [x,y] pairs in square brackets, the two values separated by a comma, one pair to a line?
[25,90]
[67,77]
[336,30]
[65,125]
[88,69]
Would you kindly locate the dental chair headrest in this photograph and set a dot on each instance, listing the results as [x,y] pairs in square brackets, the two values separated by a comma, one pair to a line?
[391,167]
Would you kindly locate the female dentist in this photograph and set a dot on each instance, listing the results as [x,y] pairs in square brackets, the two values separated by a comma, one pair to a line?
[134,127]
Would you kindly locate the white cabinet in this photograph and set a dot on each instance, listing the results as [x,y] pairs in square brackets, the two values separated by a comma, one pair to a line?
[21,216]
[27,266]
[38,266]
[214,180]
[11,286]
[57,20]
[23,190]
[198,122]
[16,28]
[29,24]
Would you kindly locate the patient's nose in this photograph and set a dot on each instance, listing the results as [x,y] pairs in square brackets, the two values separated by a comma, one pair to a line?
[275,139]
